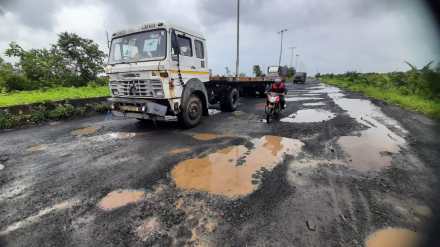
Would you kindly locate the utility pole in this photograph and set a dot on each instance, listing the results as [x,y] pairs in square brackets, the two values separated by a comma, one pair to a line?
[293,54]
[281,47]
[296,63]
[237,62]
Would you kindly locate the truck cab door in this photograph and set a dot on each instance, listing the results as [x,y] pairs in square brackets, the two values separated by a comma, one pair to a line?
[201,65]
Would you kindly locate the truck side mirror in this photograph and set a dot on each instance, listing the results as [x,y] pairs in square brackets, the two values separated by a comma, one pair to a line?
[175,46]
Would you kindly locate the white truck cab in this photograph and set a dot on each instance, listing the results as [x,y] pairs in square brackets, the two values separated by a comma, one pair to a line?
[151,66]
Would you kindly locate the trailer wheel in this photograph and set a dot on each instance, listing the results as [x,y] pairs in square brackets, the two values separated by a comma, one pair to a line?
[192,111]
[230,101]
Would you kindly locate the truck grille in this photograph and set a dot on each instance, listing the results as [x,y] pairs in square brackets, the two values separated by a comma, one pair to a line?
[137,88]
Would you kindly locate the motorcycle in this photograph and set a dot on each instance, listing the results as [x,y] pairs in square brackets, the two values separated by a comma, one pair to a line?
[273,105]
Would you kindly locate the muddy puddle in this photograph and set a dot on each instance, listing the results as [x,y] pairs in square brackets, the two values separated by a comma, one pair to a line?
[233,171]
[179,150]
[84,131]
[370,149]
[2,167]
[292,99]
[393,237]
[314,104]
[206,136]
[120,198]
[309,116]
[37,148]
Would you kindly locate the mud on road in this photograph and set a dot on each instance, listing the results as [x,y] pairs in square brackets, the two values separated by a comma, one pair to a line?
[335,168]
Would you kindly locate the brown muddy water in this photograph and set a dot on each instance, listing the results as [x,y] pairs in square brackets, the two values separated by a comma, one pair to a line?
[231,171]
[373,148]
[179,150]
[84,131]
[206,136]
[120,198]
[37,148]
[393,237]
[309,116]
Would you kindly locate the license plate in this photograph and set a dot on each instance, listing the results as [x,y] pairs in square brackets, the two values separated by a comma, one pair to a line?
[130,108]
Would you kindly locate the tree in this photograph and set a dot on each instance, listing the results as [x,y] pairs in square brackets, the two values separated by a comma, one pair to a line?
[81,55]
[257,71]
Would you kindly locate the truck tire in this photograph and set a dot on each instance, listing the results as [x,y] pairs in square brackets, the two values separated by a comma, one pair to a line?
[192,111]
[230,101]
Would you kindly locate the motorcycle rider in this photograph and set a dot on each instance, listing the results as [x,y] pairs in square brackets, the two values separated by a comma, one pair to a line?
[280,87]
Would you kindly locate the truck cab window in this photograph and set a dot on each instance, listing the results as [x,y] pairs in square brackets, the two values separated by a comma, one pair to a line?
[185,46]
[199,49]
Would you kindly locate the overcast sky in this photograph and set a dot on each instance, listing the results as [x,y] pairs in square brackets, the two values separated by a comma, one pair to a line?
[330,35]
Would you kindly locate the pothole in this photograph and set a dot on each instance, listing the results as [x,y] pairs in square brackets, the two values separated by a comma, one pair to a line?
[206,136]
[120,198]
[314,104]
[290,99]
[234,171]
[84,131]
[37,148]
[393,237]
[179,150]
[309,116]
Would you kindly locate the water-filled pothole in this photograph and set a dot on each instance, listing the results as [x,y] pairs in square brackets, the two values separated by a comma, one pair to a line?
[393,237]
[120,198]
[232,171]
[309,116]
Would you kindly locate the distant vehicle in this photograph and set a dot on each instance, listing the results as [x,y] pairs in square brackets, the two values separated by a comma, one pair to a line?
[300,77]
[277,71]
[159,71]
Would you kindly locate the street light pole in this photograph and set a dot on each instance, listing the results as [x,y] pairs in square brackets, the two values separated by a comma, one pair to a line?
[237,62]
[281,46]
[293,54]
[296,63]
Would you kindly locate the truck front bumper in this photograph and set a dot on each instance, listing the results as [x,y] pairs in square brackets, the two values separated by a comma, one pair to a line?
[140,109]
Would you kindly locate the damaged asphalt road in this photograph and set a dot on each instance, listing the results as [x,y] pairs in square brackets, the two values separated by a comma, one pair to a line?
[335,168]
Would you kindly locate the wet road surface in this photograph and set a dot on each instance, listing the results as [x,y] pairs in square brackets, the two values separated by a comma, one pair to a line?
[335,168]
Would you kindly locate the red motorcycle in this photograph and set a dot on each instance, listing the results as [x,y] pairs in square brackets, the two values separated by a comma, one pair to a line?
[273,105]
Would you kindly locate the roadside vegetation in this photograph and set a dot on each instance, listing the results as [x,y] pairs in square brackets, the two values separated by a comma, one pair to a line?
[47,78]
[416,89]
[52,94]
[49,112]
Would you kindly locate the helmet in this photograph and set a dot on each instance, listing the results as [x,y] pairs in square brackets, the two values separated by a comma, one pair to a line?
[277,80]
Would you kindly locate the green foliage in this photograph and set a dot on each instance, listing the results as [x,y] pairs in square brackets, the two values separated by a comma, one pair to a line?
[415,89]
[52,94]
[72,61]
[42,113]
[257,70]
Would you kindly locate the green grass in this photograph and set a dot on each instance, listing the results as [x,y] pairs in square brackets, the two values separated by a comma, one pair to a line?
[53,94]
[417,103]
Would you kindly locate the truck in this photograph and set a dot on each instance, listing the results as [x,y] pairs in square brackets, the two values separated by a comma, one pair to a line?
[300,77]
[159,71]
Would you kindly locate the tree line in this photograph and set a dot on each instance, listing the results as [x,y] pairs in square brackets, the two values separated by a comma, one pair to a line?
[72,61]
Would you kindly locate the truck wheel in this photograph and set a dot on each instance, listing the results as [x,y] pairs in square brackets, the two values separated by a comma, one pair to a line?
[191,114]
[230,101]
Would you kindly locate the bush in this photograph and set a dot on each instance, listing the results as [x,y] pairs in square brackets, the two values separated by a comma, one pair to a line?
[62,111]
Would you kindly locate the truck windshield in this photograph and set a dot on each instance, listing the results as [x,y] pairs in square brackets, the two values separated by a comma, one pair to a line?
[150,45]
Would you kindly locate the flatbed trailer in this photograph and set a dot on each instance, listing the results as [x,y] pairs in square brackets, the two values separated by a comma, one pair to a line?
[247,86]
